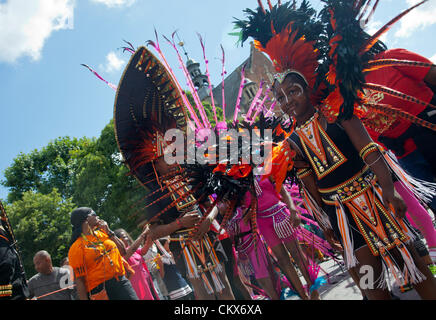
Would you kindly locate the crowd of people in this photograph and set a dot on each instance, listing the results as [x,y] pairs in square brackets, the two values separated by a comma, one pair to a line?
[109,265]
[347,184]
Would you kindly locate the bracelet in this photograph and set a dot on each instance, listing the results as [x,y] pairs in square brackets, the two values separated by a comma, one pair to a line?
[369,165]
[370,146]
[368,152]
[302,173]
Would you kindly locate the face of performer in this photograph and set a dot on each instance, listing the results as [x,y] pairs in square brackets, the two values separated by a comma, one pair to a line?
[92,220]
[43,264]
[293,97]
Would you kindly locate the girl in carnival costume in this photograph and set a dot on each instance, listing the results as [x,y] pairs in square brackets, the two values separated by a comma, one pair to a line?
[346,181]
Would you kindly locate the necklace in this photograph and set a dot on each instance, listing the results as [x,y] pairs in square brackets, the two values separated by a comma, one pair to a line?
[100,247]
[310,135]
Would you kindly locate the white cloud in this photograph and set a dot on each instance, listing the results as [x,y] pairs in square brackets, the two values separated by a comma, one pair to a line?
[433,59]
[419,18]
[26,25]
[115,3]
[373,27]
[113,63]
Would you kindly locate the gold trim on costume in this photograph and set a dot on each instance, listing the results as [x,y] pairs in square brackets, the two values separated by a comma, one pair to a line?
[311,140]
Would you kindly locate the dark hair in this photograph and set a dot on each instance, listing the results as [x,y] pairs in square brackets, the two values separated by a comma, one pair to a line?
[78,216]
[64,260]
[119,231]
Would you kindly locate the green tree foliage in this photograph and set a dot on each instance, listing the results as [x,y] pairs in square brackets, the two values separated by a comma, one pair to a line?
[41,222]
[70,173]
[46,169]
[103,183]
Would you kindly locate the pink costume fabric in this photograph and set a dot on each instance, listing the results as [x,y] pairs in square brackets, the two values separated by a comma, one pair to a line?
[141,281]
[253,260]
[272,215]
[275,226]
[417,215]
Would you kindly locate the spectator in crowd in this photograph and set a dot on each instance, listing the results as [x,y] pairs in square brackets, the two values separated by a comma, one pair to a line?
[177,286]
[154,264]
[96,258]
[50,283]
[141,281]
[65,262]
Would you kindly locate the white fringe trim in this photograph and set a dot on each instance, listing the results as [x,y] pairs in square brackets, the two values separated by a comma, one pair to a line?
[423,190]
[189,261]
[347,237]
[415,276]
[316,211]
[219,286]
[283,226]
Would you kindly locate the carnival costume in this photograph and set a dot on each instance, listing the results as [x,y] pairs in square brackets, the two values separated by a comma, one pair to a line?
[252,261]
[297,42]
[150,101]
[275,226]
[13,283]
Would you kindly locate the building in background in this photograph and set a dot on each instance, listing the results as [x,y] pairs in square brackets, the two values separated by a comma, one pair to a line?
[257,68]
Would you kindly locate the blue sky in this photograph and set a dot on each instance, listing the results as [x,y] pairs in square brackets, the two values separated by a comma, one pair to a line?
[45,93]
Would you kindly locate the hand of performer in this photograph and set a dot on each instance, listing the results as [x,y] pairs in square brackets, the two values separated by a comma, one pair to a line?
[294,218]
[391,199]
[149,233]
[331,239]
[101,224]
[202,229]
[148,242]
[190,219]
[144,235]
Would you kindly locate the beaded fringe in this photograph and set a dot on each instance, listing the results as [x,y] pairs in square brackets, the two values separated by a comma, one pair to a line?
[283,226]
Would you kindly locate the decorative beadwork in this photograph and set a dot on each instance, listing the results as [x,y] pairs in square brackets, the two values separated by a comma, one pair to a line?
[315,142]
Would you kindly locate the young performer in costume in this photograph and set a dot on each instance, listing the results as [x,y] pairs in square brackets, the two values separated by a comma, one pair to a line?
[344,176]
[144,110]
[253,260]
[278,221]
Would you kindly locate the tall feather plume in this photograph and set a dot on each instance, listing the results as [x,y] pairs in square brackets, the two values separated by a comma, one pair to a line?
[368,45]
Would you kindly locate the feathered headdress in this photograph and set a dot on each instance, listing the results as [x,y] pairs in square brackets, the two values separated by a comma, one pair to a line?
[288,35]
[150,100]
[344,54]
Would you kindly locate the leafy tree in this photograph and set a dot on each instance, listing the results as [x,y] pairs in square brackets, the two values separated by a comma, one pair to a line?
[41,222]
[44,170]
[102,182]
